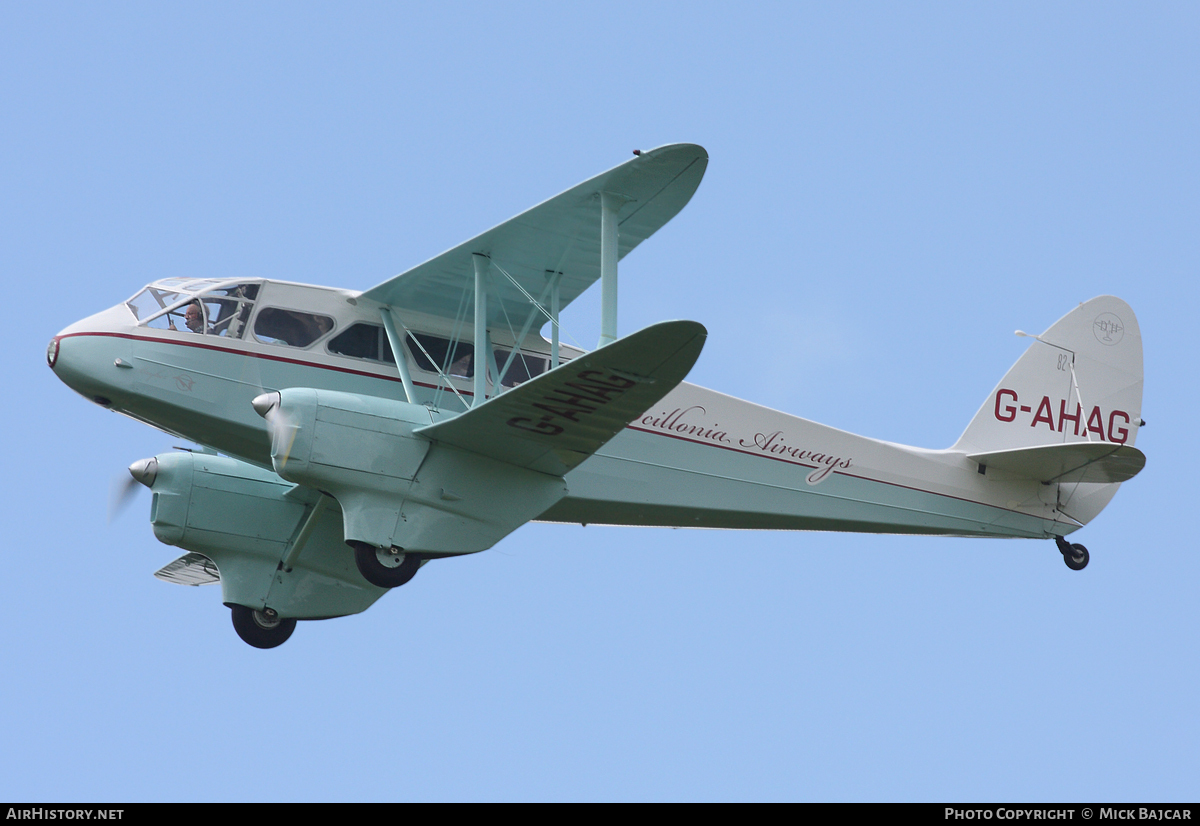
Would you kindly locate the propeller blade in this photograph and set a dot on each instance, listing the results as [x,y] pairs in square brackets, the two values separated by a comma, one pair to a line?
[123,491]
[120,494]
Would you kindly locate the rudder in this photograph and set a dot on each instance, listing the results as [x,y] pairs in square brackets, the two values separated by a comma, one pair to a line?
[1080,381]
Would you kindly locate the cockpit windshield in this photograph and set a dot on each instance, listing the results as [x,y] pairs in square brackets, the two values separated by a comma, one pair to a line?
[150,300]
[202,306]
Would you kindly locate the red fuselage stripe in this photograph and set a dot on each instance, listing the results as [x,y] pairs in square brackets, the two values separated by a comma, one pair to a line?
[317,365]
[264,356]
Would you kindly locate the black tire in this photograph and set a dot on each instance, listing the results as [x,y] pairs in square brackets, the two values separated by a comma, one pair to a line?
[1077,558]
[370,562]
[257,629]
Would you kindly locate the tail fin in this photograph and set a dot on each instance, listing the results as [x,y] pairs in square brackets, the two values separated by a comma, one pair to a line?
[1079,382]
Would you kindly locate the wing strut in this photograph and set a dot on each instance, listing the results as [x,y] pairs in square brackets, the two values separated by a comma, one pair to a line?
[538,306]
[555,297]
[481,343]
[610,203]
[442,377]
[389,327]
[306,529]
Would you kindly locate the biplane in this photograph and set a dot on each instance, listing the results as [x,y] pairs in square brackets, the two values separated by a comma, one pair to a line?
[349,438]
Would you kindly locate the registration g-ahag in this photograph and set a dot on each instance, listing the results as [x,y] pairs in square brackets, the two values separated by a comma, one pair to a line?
[349,437]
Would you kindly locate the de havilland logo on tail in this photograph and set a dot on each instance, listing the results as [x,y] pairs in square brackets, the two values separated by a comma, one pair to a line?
[1109,329]
[347,438]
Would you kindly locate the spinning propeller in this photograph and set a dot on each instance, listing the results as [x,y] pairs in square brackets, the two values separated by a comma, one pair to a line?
[281,427]
[123,491]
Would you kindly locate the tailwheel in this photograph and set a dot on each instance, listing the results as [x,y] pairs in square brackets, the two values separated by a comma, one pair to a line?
[1076,556]
[262,629]
[385,567]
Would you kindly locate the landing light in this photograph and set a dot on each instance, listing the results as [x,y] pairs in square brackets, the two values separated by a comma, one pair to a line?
[52,352]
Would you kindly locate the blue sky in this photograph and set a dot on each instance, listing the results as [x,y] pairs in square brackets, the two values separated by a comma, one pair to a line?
[892,190]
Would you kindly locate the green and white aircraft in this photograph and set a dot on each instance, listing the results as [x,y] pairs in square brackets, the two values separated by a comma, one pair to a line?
[351,437]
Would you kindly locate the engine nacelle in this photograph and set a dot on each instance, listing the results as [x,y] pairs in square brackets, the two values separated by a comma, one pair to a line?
[395,487]
[247,520]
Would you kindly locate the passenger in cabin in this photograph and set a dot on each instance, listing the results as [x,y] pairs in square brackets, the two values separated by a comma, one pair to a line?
[462,367]
[290,327]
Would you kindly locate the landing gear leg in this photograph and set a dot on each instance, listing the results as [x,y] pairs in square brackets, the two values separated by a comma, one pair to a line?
[387,568]
[1076,556]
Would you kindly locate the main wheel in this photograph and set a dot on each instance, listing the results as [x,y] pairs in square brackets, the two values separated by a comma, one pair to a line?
[388,568]
[1077,557]
[262,629]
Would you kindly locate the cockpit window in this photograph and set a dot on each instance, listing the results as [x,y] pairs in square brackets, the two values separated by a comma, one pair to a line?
[150,300]
[220,312]
[290,327]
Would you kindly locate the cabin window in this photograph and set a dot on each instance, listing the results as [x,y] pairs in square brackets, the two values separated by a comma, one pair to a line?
[454,358]
[290,327]
[363,341]
[458,359]
[524,367]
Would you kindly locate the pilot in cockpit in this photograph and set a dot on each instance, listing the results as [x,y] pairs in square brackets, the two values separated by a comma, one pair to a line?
[193,318]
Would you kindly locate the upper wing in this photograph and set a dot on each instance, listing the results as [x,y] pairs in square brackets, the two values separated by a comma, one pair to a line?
[1102,462]
[558,235]
[555,421]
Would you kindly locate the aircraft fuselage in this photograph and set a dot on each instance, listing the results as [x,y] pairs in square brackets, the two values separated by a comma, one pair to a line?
[696,459]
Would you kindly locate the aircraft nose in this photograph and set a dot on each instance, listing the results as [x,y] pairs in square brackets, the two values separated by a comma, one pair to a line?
[84,354]
[76,366]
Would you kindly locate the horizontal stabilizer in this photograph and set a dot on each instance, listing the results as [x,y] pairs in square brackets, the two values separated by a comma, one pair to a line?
[561,235]
[190,569]
[555,421]
[1100,462]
